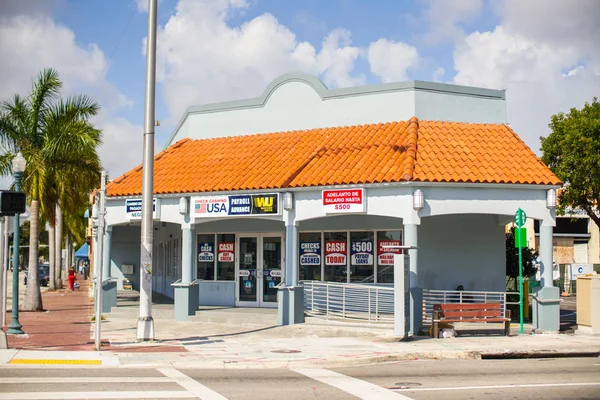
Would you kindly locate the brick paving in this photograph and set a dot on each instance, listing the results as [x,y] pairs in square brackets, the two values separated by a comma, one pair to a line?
[64,325]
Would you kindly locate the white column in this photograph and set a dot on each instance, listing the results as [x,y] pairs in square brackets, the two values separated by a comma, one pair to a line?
[187,246]
[411,239]
[106,263]
[290,297]
[546,256]
[291,249]
[546,312]
[415,292]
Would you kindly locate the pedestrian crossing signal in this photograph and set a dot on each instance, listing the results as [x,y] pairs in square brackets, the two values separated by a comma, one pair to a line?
[12,203]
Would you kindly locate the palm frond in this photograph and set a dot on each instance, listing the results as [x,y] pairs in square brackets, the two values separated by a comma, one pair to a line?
[44,92]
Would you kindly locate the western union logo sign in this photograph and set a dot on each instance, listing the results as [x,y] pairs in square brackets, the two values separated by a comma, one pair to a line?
[264,204]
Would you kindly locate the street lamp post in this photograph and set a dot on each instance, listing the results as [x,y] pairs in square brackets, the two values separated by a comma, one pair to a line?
[18,166]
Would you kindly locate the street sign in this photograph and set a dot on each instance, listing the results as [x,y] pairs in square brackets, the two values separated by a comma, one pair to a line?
[520,218]
[520,242]
[12,203]
[520,237]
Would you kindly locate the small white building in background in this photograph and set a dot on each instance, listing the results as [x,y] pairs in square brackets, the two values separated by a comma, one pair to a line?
[255,196]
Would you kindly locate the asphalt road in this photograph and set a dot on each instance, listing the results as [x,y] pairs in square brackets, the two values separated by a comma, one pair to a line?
[490,379]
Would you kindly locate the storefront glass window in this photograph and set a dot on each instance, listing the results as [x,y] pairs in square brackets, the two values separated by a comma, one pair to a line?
[169,259]
[226,257]
[362,257]
[177,258]
[385,257]
[205,257]
[336,256]
[310,256]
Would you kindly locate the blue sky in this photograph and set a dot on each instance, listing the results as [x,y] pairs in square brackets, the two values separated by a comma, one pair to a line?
[544,53]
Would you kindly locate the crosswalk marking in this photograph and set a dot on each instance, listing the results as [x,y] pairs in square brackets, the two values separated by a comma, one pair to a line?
[158,394]
[192,388]
[510,386]
[362,389]
[91,379]
[46,361]
[191,385]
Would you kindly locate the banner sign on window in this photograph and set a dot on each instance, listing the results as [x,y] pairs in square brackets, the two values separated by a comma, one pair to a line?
[343,201]
[362,252]
[226,252]
[310,253]
[133,209]
[206,252]
[238,205]
[335,253]
[386,256]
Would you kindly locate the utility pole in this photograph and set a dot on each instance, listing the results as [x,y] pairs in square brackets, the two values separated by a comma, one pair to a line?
[145,327]
[98,260]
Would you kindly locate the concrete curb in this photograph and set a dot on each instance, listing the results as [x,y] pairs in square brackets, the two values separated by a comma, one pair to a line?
[539,354]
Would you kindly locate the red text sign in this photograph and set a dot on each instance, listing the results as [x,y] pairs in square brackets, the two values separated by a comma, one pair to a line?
[344,201]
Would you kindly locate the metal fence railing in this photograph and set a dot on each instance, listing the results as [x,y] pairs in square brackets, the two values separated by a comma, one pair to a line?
[353,301]
[431,297]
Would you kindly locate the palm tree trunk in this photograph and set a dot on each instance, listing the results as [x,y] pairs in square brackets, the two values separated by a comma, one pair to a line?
[52,257]
[33,297]
[58,246]
[68,245]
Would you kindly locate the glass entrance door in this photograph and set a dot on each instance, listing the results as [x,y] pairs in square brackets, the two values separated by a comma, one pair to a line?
[271,268]
[259,269]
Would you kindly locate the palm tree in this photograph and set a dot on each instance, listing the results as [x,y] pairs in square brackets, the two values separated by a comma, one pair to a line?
[54,136]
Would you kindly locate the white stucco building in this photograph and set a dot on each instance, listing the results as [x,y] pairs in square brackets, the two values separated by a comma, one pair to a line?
[306,183]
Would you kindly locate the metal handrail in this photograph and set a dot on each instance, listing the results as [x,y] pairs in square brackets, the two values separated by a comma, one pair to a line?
[350,301]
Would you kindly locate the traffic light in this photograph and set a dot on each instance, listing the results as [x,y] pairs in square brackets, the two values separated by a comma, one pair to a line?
[12,203]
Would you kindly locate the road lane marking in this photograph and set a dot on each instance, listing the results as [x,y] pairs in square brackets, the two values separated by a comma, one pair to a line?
[41,361]
[195,387]
[362,389]
[92,379]
[158,394]
[515,386]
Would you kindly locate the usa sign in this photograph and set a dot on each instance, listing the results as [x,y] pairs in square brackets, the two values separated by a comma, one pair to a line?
[238,205]
[344,201]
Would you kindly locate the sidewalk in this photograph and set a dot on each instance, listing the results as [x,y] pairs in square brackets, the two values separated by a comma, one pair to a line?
[248,338]
[64,325]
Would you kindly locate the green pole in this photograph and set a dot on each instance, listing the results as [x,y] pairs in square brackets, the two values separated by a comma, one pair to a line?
[520,273]
[15,327]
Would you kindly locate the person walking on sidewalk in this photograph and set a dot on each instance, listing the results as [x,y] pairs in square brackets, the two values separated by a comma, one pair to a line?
[72,278]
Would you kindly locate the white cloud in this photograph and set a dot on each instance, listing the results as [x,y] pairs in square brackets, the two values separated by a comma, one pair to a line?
[496,59]
[202,58]
[545,53]
[142,5]
[30,43]
[444,17]
[122,149]
[390,60]
[438,74]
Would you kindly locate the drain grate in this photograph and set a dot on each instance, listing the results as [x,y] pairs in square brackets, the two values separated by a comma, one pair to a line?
[403,385]
[286,351]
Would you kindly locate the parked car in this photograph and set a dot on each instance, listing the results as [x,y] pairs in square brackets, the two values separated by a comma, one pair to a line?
[44,274]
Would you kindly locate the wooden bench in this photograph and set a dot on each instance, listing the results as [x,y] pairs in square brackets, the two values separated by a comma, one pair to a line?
[469,313]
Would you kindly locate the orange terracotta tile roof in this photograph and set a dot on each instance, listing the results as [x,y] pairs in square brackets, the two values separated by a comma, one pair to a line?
[425,151]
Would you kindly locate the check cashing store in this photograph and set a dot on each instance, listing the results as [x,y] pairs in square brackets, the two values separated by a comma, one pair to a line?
[239,244]
[243,216]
